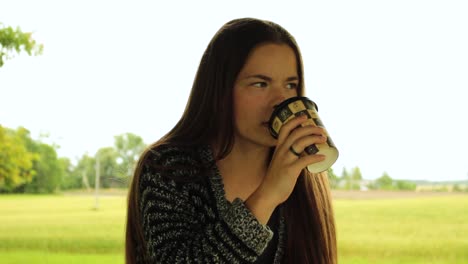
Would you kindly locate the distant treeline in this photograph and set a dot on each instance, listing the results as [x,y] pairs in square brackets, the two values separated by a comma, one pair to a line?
[353,180]
[32,166]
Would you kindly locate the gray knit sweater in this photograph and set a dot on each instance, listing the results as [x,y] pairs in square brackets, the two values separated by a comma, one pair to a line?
[186,217]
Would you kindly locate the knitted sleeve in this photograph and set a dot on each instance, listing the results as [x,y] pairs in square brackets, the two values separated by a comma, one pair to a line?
[181,223]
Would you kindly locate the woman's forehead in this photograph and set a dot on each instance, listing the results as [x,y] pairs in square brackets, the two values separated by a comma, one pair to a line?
[270,60]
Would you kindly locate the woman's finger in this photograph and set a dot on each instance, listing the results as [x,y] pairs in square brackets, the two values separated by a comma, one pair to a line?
[287,128]
[306,160]
[300,144]
[300,132]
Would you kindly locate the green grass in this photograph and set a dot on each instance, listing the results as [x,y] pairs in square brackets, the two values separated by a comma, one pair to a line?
[61,229]
[411,230]
[22,257]
[66,229]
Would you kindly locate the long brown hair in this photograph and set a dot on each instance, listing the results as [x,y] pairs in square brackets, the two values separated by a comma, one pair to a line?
[208,117]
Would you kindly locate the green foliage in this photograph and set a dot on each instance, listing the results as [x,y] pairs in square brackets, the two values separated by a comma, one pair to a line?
[83,174]
[351,180]
[129,147]
[345,174]
[384,182]
[356,178]
[16,163]
[333,178]
[441,188]
[459,188]
[116,164]
[47,167]
[15,40]
[405,185]
[49,170]
[356,174]
[28,165]
[109,169]
[67,168]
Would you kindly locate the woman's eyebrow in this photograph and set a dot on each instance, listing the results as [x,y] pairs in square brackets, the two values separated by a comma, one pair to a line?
[293,78]
[266,78]
[259,76]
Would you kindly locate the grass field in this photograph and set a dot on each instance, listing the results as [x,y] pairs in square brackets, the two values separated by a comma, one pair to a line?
[431,229]
[384,229]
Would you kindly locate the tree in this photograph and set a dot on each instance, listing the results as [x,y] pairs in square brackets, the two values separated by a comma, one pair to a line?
[115,164]
[457,188]
[47,166]
[344,173]
[333,178]
[405,185]
[68,181]
[83,174]
[109,168]
[15,40]
[16,163]
[345,178]
[49,170]
[351,181]
[356,178]
[129,147]
[384,182]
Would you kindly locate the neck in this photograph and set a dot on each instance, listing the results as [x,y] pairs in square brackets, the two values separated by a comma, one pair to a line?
[243,170]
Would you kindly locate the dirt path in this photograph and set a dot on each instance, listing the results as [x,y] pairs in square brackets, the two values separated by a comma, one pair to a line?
[338,194]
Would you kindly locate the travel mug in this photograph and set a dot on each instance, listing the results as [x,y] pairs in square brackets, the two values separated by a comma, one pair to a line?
[300,105]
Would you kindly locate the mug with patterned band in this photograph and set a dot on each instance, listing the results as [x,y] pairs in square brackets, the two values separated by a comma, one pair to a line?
[300,105]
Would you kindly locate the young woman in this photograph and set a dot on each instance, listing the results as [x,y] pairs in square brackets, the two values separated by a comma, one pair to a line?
[218,188]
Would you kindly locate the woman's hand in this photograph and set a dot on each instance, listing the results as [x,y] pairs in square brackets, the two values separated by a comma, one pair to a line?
[285,166]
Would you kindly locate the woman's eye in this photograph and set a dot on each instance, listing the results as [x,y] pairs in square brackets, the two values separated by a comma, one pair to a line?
[292,85]
[260,84]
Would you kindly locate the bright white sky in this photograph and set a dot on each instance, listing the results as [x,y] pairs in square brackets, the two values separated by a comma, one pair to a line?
[390,77]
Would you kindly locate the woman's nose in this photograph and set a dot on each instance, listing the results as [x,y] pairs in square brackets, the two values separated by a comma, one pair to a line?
[279,96]
[278,99]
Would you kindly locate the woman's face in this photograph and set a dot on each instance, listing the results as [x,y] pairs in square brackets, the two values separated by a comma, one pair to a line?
[268,77]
